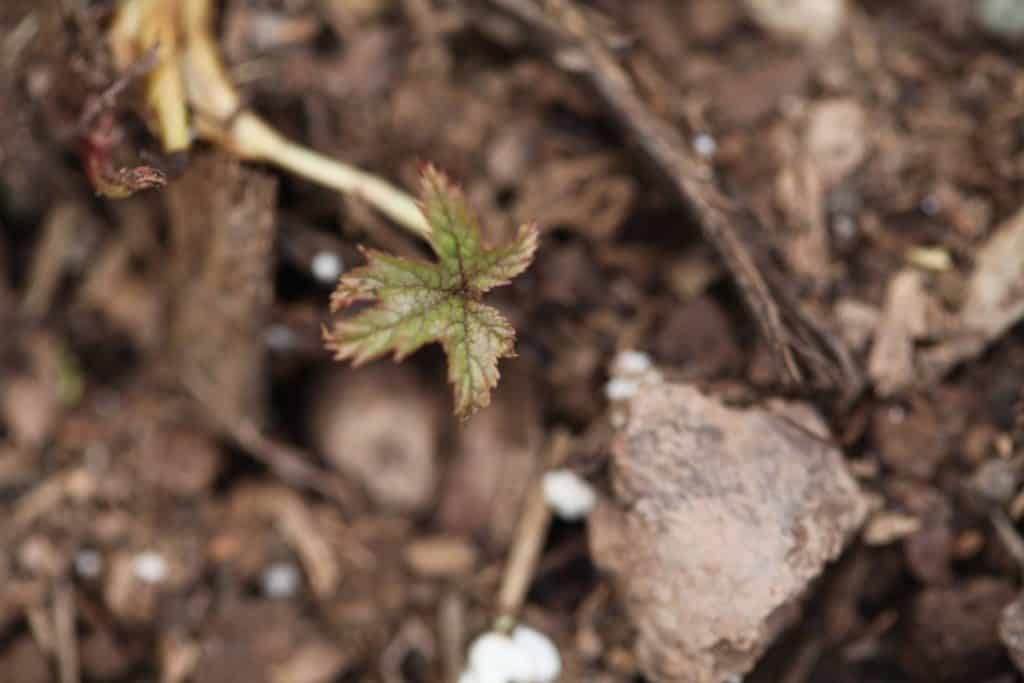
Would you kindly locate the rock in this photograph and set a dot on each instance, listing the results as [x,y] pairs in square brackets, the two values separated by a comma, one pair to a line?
[721,519]
[1011,631]
[813,22]
[836,139]
[379,426]
[1001,18]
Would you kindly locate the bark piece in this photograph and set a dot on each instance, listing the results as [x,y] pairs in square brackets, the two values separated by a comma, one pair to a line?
[994,301]
[721,519]
[222,235]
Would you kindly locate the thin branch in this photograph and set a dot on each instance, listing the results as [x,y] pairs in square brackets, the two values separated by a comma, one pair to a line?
[531,533]
[565,30]
[290,464]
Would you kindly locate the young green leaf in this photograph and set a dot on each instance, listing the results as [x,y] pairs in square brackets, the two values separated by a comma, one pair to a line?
[418,302]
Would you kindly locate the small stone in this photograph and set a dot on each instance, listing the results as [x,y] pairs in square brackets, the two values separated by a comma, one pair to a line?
[385,440]
[997,481]
[1011,631]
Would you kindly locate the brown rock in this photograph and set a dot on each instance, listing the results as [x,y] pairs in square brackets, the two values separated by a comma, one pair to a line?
[379,426]
[721,520]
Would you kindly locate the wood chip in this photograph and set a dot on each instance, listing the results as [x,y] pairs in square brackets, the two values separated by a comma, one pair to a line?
[441,556]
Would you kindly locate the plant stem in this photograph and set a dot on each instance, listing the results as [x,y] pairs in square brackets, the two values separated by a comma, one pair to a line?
[257,141]
[221,118]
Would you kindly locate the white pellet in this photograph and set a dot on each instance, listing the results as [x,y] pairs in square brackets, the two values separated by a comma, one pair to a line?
[620,389]
[539,649]
[88,563]
[281,580]
[705,145]
[326,267]
[632,362]
[150,567]
[568,494]
[528,656]
[279,338]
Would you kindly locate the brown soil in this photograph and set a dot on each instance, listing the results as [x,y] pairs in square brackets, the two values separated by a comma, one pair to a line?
[190,489]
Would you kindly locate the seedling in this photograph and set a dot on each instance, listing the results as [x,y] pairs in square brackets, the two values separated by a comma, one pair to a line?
[418,302]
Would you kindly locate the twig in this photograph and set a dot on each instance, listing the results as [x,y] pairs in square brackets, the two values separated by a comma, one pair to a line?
[66,642]
[290,464]
[1009,536]
[530,535]
[48,261]
[566,30]
[451,628]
